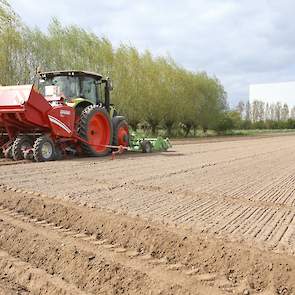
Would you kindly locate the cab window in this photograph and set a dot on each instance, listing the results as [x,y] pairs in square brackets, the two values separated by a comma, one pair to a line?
[88,89]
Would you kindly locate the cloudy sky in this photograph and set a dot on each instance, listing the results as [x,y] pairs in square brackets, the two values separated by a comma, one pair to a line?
[239,41]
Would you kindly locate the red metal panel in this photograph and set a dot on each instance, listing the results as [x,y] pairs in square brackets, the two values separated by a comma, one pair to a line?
[36,109]
[62,120]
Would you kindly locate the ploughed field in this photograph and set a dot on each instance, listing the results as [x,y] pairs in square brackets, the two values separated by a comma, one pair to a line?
[210,218]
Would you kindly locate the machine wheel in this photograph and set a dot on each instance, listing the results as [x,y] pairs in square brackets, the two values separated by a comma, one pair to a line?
[8,153]
[1,153]
[121,131]
[96,128]
[44,149]
[29,155]
[20,145]
[1,147]
[146,146]
[58,154]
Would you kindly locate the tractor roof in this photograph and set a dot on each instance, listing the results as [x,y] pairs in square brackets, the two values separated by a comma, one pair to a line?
[72,73]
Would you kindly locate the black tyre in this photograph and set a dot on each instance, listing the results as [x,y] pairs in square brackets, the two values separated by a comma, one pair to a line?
[29,155]
[58,154]
[8,153]
[2,141]
[96,128]
[44,149]
[20,145]
[146,146]
[121,131]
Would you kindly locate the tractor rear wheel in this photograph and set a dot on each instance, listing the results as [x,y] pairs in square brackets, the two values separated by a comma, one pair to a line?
[20,145]
[121,132]
[44,149]
[95,127]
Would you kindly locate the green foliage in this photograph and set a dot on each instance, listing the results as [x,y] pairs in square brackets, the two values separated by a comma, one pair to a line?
[153,91]
[236,119]
[226,122]
[290,124]
[212,104]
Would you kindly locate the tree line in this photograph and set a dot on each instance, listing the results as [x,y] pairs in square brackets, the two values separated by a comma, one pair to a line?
[259,115]
[263,111]
[154,92]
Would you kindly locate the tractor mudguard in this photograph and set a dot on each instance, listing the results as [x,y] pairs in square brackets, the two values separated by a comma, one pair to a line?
[78,101]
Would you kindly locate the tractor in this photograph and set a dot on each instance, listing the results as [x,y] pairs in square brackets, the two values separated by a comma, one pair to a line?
[62,112]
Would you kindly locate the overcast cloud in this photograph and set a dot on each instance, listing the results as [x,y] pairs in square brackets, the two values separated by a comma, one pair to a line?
[241,42]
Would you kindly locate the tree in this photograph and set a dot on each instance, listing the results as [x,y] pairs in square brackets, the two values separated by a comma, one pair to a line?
[248,111]
[225,122]
[258,111]
[213,104]
[171,92]
[267,115]
[241,108]
[236,119]
[192,99]
[278,111]
[285,112]
[13,67]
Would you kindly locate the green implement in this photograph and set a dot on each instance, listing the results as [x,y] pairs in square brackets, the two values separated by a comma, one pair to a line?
[143,144]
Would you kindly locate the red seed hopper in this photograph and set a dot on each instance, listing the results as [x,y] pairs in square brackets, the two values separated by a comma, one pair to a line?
[23,110]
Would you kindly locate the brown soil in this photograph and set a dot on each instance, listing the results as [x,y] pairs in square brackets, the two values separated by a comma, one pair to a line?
[216,218]
[221,138]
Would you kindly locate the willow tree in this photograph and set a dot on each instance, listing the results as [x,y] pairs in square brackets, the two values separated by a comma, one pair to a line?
[191,102]
[12,63]
[128,84]
[170,92]
[151,91]
[213,104]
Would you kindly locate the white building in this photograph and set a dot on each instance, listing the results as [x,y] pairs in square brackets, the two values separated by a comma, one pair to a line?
[273,93]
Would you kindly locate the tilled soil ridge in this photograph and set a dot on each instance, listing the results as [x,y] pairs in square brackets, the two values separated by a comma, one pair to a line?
[242,190]
[94,250]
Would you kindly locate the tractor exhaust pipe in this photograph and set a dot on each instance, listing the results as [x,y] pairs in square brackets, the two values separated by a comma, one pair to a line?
[107,93]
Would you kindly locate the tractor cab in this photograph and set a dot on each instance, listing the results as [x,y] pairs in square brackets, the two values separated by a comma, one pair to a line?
[78,88]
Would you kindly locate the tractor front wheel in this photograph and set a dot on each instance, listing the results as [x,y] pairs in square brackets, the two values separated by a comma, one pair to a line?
[20,145]
[44,149]
[95,128]
[121,132]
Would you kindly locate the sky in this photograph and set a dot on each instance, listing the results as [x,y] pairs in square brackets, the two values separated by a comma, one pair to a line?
[241,42]
[272,93]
